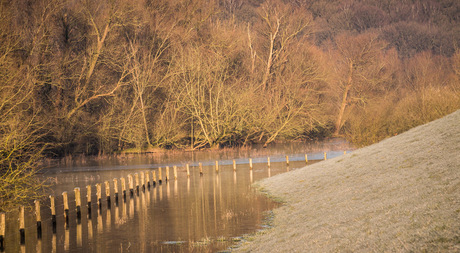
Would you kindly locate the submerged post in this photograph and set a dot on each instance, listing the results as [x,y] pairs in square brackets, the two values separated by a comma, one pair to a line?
[123,188]
[78,202]
[160,179]
[167,174]
[250,163]
[88,199]
[22,231]
[188,170]
[130,185]
[234,165]
[136,177]
[287,160]
[66,208]
[201,169]
[99,196]
[268,162]
[107,193]
[306,158]
[147,178]
[53,213]
[325,156]
[39,219]
[217,166]
[142,181]
[175,172]
[115,190]
[154,178]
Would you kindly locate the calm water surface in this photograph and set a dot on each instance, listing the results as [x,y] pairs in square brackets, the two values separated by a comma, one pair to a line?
[207,213]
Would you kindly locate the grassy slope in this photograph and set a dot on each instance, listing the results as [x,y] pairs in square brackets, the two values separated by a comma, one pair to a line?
[402,194]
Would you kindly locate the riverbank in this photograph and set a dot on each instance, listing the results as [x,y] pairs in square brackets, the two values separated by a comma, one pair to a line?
[401,194]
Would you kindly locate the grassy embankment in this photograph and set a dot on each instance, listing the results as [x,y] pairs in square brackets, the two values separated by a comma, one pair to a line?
[401,194]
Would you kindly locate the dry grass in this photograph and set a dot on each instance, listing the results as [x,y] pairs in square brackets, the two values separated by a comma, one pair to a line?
[399,195]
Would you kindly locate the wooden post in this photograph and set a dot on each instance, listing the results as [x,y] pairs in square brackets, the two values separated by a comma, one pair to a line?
[115,190]
[154,178]
[344,152]
[39,219]
[325,156]
[136,178]
[306,158]
[175,172]
[160,179]
[123,188]
[65,200]
[217,166]
[147,178]
[2,231]
[107,193]
[234,165]
[78,202]
[201,169]
[130,185]
[88,199]
[22,231]
[188,170]
[268,162]
[167,174]
[99,196]
[142,181]
[250,163]
[53,213]
[287,160]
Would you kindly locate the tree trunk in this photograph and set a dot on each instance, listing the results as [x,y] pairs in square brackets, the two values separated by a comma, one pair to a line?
[339,123]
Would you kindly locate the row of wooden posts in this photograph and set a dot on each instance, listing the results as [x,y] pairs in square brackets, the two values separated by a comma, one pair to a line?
[132,181]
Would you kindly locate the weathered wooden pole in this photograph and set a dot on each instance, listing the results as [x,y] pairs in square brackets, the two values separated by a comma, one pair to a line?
[130,185]
[325,156]
[287,160]
[250,163]
[154,178]
[22,231]
[160,178]
[234,165]
[115,190]
[268,162]
[306,158]
[99,196]
[175,172]
[201,169]
[188,170]
[147,178]
[142,181]
[123,188]
[78,202]
[2,231]
[136,178]
[88,200]
[53,213]
[167,174]
[107,194]
[39,218]
[65,200]
[217,166]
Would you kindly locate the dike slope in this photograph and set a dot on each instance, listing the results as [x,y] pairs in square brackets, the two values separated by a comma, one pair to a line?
[399,195]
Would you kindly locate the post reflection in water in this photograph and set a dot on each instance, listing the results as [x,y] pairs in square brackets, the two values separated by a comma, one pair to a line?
[201,211]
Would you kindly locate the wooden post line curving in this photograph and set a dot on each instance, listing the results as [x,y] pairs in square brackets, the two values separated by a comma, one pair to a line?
[144,180]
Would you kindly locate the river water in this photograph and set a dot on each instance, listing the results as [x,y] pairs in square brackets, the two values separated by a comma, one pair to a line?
[197,213]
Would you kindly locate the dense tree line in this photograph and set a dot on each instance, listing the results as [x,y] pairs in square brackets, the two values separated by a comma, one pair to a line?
[97,77]
[94,77]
